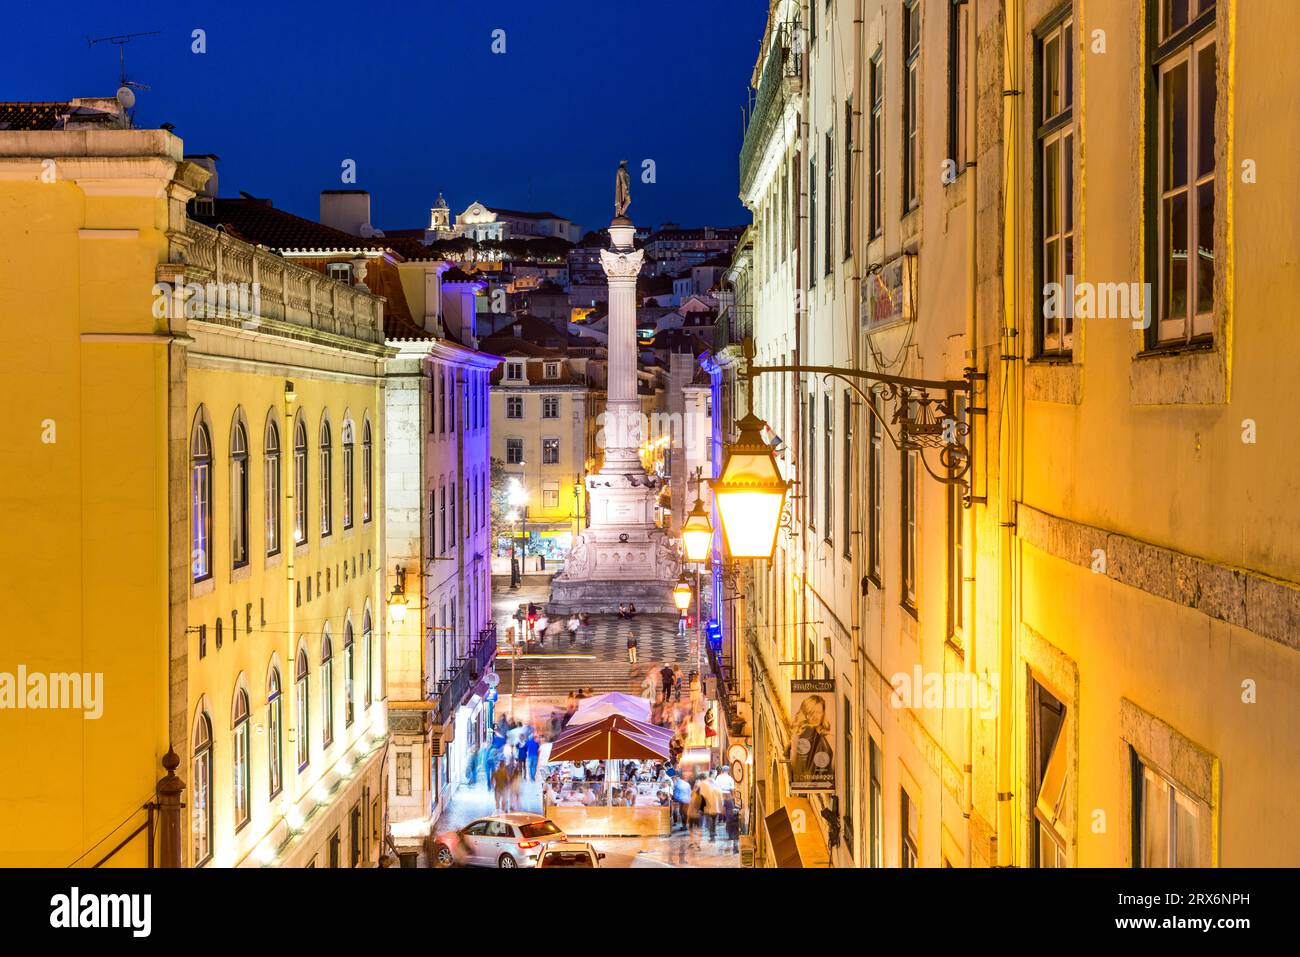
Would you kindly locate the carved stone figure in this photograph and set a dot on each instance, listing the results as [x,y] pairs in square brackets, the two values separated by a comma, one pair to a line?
[622,190]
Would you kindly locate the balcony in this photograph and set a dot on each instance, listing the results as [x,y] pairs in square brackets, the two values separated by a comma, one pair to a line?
[450,692]
[782,73]
[279,290]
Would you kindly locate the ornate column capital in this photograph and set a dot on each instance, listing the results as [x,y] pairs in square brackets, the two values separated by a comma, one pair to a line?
[621,265]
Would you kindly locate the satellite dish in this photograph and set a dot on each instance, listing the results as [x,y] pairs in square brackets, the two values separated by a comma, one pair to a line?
[126,97]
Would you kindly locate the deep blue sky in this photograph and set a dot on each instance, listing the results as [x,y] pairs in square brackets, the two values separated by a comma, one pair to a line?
[413,93]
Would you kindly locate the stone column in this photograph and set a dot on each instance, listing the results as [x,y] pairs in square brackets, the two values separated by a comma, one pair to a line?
[622,264]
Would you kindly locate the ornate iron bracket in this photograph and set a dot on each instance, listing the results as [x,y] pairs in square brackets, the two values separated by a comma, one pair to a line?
[924,413]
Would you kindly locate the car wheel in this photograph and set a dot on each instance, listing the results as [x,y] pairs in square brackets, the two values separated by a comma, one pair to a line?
[443,856]
[507,861]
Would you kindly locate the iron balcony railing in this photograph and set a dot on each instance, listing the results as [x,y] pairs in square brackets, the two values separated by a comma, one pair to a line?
[450,692]
[780,78]
[734,326]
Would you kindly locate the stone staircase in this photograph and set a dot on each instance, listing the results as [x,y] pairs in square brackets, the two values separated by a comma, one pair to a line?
[556,678]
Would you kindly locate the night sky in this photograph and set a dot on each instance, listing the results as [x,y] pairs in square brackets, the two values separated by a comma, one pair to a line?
[413,93]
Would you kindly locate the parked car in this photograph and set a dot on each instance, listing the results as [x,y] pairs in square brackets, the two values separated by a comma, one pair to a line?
[502,840]
[570,854]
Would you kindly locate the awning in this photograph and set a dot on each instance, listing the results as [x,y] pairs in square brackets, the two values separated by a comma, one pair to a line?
[795,835]
[603,705]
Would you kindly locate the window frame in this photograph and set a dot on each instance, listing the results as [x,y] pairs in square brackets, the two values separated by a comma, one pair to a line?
[201,780]
[326,454]
[911,111]
[1054,337]
[958,39]
[876,145]
[349,457]
[274,732]
[302,708]
[301,482]
[240,508]
[909,520]
[200,501]
[327,690]
[271,485]
[240,761]
[876,505]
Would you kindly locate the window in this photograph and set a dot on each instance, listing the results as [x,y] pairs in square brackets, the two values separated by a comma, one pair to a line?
[349,666]
[1186,96]
[515,407]
[1054,159]
[347,474]
[908,829]
[848,179]
[812,459]
[335,851]
[551,407]
[911,93]
[514,370]
[957,538]
[271,479]
[367,472]
[876,225]
[1050,770]
[340,272]
[908,508]
[550,451]
[1169,822]
[238,496]
[464,514]
[366,639]
[201,791]
[302,693]
[442,399]
[403,771]
[239,759]
[453,516]
[828,465]
[551,370]
[958,25]
[326,480]
[812,221]
[452,396]
[876,490]
[201,503]
[850,503]
[876,850]
[327,690]
[514,451]
[848,775]
[299,482]
[828,218]
[442,519]
[274,735]
[550,495]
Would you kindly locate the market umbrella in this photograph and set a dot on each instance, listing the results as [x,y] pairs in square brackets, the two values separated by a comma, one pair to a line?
[604,705]
[616,737]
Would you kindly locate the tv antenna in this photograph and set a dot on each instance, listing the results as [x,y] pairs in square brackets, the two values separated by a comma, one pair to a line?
[127,88]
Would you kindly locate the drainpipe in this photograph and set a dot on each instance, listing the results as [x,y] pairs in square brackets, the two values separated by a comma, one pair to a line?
[966,517]
[1009,441]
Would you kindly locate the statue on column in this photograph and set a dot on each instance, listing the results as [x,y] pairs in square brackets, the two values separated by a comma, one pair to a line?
[622,190]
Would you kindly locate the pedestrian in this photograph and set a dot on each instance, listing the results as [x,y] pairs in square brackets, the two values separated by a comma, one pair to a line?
[711,799]
[500,778]
[733,828]
[681,798]
[574,622]
[677,682]
[727,785]
[541,563]
[694,818]
[666,680]
[531,749]
[471,766]
[631,647]
[542,624]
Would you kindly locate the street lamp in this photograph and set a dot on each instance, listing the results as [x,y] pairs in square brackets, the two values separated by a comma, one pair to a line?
[397,600]
[512,517]
[750,492]
[697,532]
[682,594]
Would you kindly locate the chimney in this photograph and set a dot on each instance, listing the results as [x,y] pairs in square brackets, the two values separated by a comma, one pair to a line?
[209,162]
[346,209]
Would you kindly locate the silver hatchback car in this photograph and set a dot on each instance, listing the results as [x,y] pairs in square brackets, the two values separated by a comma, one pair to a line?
[502,840]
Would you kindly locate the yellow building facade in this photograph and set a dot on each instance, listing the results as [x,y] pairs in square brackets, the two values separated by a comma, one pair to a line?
[214,526]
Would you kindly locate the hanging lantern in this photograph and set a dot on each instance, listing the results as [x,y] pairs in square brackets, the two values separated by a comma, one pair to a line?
[750,493]
[697,533]
[682,594]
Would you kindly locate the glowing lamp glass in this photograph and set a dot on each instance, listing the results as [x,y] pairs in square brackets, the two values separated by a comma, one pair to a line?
[682,595]
[750,494]
[697,534]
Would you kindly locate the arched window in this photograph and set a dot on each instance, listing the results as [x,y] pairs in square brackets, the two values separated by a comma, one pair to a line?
[302,681]
[367,463]
[201,790]
[238,496]
[326,479]
[239,759]
[300,482]
[347,474]
[365,637]
[274,735]
[327,690]
[349,654]
[201,503]
[271,479]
